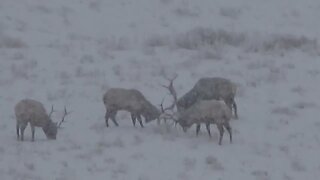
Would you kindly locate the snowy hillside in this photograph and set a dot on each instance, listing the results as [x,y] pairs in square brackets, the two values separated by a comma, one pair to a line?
[69,52]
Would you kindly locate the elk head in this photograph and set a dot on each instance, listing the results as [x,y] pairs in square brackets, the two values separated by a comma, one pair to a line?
[51,128]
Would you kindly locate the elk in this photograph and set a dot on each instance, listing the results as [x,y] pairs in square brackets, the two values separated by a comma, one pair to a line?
[201,111]
[207,112]
[210,88]
[33,112]
[130,100]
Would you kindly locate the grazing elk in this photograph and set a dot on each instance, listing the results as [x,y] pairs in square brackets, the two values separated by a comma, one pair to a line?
[210,88]
[207,112]
[130,100]
[34,113]
[201,111]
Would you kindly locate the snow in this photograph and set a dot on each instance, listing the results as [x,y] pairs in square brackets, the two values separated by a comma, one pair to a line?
[69,52]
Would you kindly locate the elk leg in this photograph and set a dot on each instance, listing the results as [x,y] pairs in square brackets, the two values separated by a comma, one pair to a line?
[165,120]
[229,129]
[221,131]
[113,118]
[107,118]
[133,118]
[22,128]
[140,120]
[197,129]
[32,132]
[17,128]
[208,129]
[235,109]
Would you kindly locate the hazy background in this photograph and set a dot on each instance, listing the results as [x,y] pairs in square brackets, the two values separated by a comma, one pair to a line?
[69,52]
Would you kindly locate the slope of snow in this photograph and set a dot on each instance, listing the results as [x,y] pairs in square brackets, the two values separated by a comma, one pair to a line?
[69,52]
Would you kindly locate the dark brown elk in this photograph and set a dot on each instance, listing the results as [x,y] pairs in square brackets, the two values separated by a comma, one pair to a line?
[209,88]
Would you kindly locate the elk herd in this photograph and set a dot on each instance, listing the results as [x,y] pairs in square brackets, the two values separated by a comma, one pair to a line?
[210,101]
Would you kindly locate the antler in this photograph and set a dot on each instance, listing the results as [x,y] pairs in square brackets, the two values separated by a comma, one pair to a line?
[64,115]
[172,92]
[52,110]
[164,115]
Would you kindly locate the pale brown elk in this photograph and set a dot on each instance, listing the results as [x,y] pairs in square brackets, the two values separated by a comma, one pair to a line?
[29,111]
[131,100]
[207,112]
[199,112]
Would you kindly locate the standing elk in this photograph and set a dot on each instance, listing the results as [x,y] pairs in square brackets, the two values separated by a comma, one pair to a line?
[130,100]
[34,113]
[207,112]
[198,110]
[209,88]
[133,101]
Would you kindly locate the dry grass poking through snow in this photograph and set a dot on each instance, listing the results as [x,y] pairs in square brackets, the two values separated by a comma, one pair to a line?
[70,52]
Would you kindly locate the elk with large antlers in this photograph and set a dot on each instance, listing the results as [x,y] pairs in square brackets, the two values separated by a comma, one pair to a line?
[130,100]
[33,112]
[200,111]
[133,101]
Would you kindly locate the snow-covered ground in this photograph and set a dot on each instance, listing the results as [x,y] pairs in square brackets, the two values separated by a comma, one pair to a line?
[69,52]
